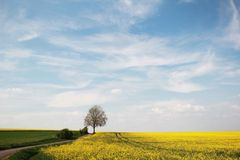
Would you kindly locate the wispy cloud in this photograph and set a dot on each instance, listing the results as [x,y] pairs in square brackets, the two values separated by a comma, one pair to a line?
[187,1]
[122,51]
[57,61]
[126,48]
[116,91]
[46,120]
[125,13]
[16,53]
[28,36]
[174,106]
[233,29]
[180,80]
[10,92]
[78,99]
[136,8]
[6,65]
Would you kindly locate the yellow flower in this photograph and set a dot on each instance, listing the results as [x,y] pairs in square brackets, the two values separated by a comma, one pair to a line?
[148,146]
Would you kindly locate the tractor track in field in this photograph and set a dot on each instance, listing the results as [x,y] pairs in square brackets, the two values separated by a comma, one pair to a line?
[136,143]
[5,154]
[149,146]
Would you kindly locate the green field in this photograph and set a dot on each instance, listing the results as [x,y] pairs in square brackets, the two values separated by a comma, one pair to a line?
[148,146]
[19,138]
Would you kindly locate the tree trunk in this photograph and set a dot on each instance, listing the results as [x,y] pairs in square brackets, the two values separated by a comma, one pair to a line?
[93,129]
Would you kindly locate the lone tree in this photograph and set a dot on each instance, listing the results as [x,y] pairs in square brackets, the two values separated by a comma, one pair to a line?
[95,117]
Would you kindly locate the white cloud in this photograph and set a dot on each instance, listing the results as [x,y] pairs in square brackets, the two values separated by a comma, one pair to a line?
[170,115]
[127,50]
[123,14]
[112,44]
[17,53]
[180,80]
[137,8]
[23,98]
[232,34]
[15,90]
[116,91]
[27,37]
[10,92]
[7,65]
[121,51]
[57,61]
[20,28]
[119,13]
[167,108]
[45,120]
[52,86]
[176,106]
[236,107]
[77,99]
[186,1]
[183,86]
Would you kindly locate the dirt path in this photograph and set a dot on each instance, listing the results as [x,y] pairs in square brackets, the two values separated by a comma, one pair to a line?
[5,154]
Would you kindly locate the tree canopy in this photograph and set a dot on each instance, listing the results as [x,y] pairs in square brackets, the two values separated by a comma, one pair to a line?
[96,117]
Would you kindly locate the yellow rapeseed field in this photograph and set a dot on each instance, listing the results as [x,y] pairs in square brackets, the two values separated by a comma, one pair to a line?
[148,146]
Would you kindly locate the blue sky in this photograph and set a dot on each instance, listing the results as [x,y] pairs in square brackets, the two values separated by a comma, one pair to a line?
[153,65]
